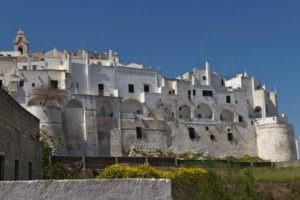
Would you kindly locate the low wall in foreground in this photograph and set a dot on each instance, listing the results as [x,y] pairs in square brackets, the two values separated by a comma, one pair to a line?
[133,189]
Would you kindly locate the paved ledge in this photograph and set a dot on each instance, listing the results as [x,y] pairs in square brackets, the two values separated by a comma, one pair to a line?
[88,189]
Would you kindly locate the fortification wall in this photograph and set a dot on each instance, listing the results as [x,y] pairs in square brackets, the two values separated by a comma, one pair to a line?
[276,142]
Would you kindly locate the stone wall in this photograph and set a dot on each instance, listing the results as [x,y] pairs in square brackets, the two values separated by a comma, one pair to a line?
[133,189]
[19,141]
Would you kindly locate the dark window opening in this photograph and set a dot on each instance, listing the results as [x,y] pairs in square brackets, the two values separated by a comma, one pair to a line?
[2,168]
[241,118]
[54,84]
[229,136]
[236,102]
[252,123]
[207,93]
[101,89]
[206,128]
[228,130]
[194,92]
[29,171]
[34,67]
[1,83]
[24,67]
[130,88]
[33,85]
[212,137]
[146,88]
[77,85]
[228,99]
[20,49]
[138,132]
[17,168]
[204,78]
[189,94]
[192,133]
[199,115]
[222,82]
[22,83]
[170,92]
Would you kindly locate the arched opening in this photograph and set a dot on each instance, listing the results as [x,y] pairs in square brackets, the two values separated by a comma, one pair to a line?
[104,109]
[203,111]
[131,106]
[257,112]
[20,49]
[184,112]
[227,116]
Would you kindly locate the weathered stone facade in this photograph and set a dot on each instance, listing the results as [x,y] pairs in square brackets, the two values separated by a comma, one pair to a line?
[94,105]
[19,141]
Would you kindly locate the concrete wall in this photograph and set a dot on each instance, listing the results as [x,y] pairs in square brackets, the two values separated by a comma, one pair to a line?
[19,140]
[133,189]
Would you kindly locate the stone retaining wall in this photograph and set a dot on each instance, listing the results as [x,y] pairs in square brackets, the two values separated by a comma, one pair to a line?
[133,189]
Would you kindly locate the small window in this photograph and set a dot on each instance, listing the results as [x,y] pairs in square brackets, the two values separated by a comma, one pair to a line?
[206,128]
[101,89]
[30,171]
[222,82]
[2,168]
[170,92]
[77,85]
[252,123]
[194,92]
[204,78]
[33,85]
[17,168]
[212,137]
[146,88]
[54,84]
[229,136]
[241,118]
[199,115]
[228,130]
[192,133]
[24,67]
[1,83]
[207,93]
[34,67]
[189,94]
[130,88]
[138,132]
[21,83]
[236,102]
[228,99]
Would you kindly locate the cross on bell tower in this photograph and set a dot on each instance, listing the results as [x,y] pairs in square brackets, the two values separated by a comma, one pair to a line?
[21,44]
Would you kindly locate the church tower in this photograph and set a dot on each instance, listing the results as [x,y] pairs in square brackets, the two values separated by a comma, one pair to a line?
[21,44]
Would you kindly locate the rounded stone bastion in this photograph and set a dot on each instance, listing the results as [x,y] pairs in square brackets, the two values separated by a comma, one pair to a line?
[275,142]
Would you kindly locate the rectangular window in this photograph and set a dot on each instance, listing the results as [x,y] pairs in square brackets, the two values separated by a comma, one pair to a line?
[32,84]
[189,94]
[229,136]
[17,168]
[194,92]
[54,84]
[34,67]
[192,133]
[77,85]
[130,88]
[1,83]
[21,83]
[101,89]
[146,88]
[207,93]
[228,99]
[30,171]
[24,67]
[204,78]
[241,118]
[2,168]
[138,132]
[212,137]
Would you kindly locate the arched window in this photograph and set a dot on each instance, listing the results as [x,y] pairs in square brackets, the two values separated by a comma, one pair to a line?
[257,112]
[203,111]
[185,112]
[20,49]
[227,116]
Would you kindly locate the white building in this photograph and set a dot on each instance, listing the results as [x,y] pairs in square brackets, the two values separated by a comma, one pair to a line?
[91,104]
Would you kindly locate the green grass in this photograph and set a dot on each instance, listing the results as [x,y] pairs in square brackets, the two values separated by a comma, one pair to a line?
[265,174]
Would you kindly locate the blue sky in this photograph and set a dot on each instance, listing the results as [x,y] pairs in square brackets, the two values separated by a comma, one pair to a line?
[261,37]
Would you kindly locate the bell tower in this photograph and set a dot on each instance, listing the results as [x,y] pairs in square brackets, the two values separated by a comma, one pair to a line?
[21,44]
